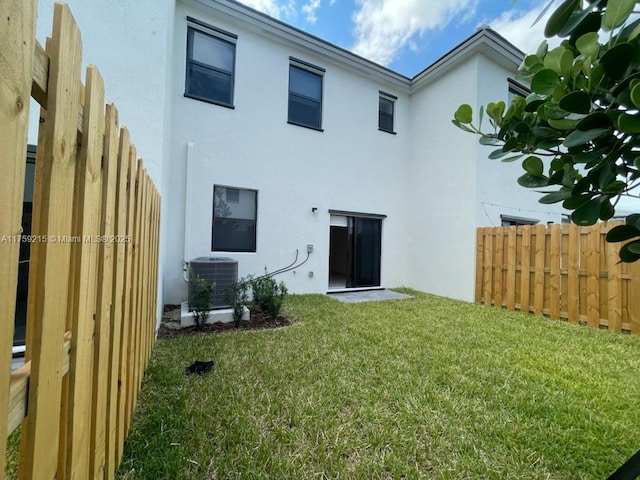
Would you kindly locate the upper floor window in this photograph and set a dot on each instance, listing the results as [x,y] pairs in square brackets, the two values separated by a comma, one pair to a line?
[234,219]
[305,94]
[386,110]
[211,56]
[516,89]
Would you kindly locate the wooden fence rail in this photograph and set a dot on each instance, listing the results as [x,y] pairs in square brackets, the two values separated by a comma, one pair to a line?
[93,257]
[562,271]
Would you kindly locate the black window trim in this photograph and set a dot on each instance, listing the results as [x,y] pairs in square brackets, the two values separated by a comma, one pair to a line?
[391,98]
[240,220]
[316,70]
[517,88]
[219,34]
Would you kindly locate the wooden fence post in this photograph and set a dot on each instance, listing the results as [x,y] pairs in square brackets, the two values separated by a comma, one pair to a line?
[510,286]
[573,275]
[74,458]
[17,44]
[614,285]
[115,358]
[593,277]
[498,275]
[50,265]
[554,277]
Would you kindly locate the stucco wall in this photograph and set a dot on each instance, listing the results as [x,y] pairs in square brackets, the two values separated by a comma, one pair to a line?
[129,41]
[349,166]
[498,192]
[443,171]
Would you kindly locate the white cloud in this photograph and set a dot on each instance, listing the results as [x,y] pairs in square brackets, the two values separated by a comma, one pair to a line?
[516,26]
[384,27]
[310,10]
[275,8]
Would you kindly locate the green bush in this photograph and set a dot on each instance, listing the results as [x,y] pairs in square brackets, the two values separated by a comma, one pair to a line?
[200,302]
[240,298]
[268,295]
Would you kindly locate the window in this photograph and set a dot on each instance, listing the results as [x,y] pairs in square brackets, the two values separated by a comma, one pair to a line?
[305,95]
[386,106]
[516,89]
[234,223]
[509,221]
[210,64]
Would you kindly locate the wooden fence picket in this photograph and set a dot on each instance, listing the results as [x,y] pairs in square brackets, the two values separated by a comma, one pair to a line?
[91,305]
[17,45]
[563,271]
[49,272]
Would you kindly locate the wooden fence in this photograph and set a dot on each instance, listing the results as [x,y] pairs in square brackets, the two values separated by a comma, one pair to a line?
[562,271]
[93,257]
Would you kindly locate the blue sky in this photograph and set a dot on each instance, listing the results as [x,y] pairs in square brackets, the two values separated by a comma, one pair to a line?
[407,35]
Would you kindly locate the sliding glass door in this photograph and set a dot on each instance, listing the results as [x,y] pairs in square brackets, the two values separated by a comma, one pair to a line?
[354,252]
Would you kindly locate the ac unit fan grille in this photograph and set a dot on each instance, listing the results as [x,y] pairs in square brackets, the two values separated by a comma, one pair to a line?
[221,271]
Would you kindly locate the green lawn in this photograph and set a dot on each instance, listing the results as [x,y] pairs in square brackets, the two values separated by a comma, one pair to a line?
[419,388]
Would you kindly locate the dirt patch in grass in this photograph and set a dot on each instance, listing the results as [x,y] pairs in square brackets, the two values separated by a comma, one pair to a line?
[170,326]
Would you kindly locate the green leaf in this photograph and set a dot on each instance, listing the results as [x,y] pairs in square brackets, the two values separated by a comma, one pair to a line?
[533,102]
[560,60]
[588,213]
[464,114]
[606,209]
[543,12]
[588,45]
[576,201]
[545,81]
[498,154]
[635,32]
[543,48]
[533,166]
[532,181]
[495,111]
[559,17]
[635,95]
[512,159]
[627,255]
[487,140]
[617,60]
[461,126]
[564,123]
[629,123]
[555,197]
[579,137]
[622,233]
[595,120]
[576,102]
[617,13]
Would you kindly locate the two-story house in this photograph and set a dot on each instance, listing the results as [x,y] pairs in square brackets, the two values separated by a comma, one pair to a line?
[276,148]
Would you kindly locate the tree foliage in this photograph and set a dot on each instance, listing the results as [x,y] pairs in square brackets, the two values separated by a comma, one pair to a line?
[577,133]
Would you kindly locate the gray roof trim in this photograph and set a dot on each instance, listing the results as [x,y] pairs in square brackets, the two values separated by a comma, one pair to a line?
[485,41]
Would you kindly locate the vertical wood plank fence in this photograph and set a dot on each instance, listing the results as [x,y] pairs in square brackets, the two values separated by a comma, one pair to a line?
[93,257]
[561,271]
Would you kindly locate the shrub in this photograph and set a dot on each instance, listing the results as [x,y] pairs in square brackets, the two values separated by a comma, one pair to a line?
[268,295]
[240,299]
[200,301]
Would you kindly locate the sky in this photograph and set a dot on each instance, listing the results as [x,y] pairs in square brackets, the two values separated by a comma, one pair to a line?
[408,35]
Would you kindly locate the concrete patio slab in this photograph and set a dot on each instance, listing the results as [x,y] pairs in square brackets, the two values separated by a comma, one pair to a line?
[368,296]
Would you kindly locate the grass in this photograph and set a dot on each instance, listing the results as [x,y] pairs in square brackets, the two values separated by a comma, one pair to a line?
[420,388]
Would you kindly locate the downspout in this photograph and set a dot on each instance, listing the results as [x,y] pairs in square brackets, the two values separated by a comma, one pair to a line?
[187,211]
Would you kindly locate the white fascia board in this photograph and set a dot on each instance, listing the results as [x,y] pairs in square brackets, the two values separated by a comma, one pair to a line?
[485,42]
[263,24]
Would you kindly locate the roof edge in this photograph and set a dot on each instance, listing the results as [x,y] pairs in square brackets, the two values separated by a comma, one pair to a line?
[485,40]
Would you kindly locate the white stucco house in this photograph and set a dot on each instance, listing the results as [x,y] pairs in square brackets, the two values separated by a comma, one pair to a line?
[274,147]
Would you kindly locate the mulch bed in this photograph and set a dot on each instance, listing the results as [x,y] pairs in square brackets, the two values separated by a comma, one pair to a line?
[258,321]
